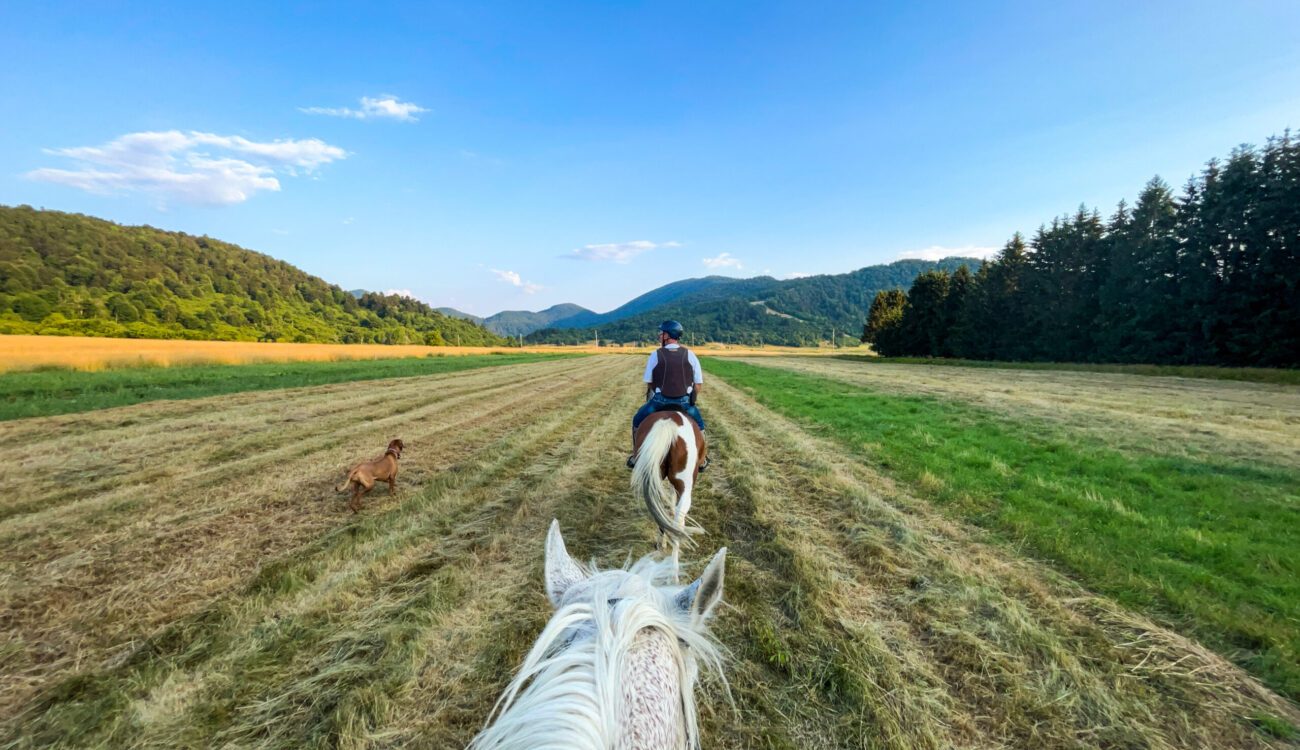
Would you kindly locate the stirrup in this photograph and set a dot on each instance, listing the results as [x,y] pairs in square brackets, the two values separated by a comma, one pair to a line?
[631,461]
[704,465]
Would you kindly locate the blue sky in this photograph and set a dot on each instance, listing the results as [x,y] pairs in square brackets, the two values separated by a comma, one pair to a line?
[513,156]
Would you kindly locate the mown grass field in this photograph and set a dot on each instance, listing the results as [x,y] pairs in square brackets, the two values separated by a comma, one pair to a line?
[180,573]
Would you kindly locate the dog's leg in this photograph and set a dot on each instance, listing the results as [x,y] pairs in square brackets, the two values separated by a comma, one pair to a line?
[360,492]
[392,485]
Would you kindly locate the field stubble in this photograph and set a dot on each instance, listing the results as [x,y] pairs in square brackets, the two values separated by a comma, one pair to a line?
[181,574]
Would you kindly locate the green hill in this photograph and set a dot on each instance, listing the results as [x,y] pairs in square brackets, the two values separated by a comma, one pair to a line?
[795,312]
[69,274]
[523,322]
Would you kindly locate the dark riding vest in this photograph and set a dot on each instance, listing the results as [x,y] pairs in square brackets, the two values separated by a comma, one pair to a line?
[673,373]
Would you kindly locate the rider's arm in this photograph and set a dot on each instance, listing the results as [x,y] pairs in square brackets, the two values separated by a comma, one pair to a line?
[649,374]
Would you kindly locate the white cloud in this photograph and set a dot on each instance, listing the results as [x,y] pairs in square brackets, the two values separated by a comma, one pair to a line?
[349,220]
[187,167]
[796,275]
[617,252]
[725,260]
[401,293]
[515,280]
[384,106]
[939,252]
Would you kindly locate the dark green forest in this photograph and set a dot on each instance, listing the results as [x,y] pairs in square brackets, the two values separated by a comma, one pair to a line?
[762,310]
[68,274]
[1210,276]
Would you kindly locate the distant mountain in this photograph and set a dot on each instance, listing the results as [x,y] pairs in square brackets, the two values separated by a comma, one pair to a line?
[454,313]
[69,274]
[757,310]
[523,322]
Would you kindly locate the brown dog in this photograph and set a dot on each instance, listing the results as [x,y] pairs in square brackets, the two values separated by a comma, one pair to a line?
[363,476]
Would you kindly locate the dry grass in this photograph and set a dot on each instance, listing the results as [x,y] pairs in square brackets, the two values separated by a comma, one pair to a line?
[19,353]
[180,574]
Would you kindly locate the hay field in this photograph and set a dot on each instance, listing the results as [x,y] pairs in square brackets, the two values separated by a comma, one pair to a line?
[1177,415]
[181,574]
[22,352]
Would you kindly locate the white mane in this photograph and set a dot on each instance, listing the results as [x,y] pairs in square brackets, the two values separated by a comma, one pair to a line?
[569,692]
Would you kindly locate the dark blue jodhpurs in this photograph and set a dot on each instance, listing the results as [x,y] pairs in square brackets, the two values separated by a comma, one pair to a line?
[657,402]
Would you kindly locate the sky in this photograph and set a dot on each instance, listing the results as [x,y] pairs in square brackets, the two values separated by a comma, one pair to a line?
[492,156]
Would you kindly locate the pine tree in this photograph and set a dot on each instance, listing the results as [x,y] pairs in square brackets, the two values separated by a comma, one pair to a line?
[882,329]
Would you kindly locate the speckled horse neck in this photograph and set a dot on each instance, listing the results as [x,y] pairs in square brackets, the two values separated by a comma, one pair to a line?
[616,666]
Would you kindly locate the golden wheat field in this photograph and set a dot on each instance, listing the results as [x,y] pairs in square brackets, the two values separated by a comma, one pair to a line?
[182,574]
[92,353]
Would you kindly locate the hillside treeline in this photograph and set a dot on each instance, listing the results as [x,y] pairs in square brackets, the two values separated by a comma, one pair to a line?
[69,274]
[1210,276]
[762,310]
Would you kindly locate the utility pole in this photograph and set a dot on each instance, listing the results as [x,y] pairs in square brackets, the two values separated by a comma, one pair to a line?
[598,338]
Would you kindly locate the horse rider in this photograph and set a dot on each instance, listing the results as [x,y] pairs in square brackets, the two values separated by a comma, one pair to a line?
[673,380]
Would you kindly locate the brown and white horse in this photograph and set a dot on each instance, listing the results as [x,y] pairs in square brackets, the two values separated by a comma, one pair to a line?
[669,446]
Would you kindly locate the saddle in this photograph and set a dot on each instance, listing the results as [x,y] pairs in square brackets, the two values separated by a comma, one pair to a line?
[671,407]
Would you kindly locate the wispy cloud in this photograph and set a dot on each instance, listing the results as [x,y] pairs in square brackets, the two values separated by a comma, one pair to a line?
[796,275]
[939,252]
[401,293]
[616,252]
[724,260]
[190,167]
[515,280]
[382,107]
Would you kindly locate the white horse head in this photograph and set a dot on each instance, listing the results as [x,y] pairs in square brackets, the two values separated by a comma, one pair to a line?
[616,665]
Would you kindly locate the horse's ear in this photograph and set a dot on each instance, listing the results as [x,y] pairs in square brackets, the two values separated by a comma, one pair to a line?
[561,571]
[699,598]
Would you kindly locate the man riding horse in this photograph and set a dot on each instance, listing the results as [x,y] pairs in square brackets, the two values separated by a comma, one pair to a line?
[673,380]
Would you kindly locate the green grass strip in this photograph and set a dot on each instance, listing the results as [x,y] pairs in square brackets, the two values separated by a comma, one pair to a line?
[1208,372]
[48,392]
[1211,548]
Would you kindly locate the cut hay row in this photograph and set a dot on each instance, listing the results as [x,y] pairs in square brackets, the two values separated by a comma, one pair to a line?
[1218,417]
[261,614]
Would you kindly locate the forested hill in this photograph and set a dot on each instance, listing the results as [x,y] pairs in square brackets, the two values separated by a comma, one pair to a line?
[794,312]
[70,274]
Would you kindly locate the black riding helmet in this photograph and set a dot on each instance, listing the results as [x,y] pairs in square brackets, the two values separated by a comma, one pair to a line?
[672,328]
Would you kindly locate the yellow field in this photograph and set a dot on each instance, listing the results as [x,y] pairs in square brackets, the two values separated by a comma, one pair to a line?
[89,353]
[181,574]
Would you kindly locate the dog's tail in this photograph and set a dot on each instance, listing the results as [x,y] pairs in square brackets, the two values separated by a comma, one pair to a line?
[346,481]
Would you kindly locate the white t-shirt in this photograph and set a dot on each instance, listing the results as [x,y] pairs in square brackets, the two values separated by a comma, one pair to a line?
[690,357]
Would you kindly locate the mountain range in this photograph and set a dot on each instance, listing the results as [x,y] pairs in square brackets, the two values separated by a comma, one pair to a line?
[761,309]
[71,274]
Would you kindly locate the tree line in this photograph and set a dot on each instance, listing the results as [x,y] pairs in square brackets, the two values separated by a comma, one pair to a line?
[1210,276]
[68,274]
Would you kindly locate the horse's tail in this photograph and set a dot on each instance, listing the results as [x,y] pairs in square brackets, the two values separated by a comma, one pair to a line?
[647,482]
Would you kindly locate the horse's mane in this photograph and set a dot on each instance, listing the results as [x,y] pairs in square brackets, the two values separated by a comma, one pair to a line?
[568,692]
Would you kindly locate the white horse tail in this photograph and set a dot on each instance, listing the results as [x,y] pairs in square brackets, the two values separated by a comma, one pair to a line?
[647,482]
